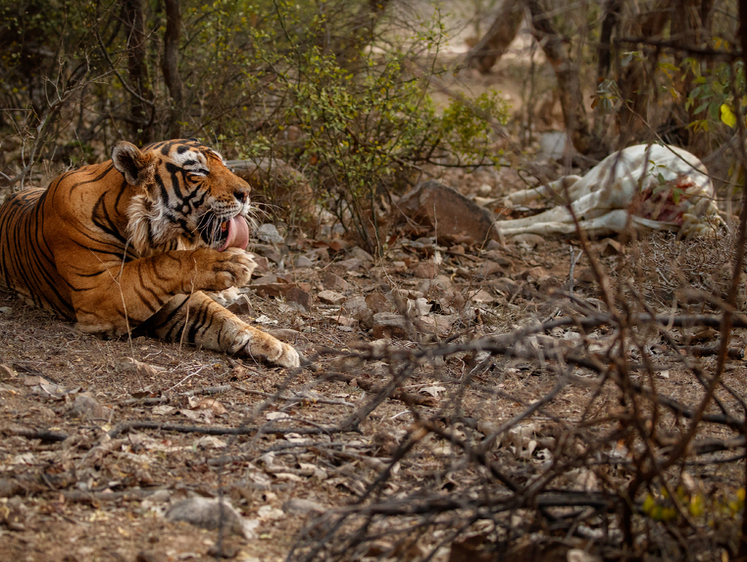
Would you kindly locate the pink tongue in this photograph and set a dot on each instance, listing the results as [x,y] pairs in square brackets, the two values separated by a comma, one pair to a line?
[238,234]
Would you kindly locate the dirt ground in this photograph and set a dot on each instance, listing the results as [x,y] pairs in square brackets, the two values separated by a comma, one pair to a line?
[103,438]
[463,426]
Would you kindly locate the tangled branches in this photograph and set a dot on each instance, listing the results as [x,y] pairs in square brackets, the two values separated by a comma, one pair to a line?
[586,475]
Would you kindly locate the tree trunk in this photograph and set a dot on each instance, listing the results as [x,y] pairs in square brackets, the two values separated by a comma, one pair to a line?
[635,79]
[137,68]
[169,66]
[569,84]
[609,22]
[495,42]
[347,39]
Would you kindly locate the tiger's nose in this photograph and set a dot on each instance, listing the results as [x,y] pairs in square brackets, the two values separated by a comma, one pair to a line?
[241,194]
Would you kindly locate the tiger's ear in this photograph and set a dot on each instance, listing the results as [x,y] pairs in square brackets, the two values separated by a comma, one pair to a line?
[136,167]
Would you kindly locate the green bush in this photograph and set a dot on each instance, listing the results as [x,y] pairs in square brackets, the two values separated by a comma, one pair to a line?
[350,76]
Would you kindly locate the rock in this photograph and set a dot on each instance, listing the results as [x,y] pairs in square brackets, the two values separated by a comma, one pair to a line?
[268,251]
[454,217]
[612,247]
[6,373]
[303,261]
[268,233]
[241,305]
[298,296]
[377,302]
[330,297]
[390,325]
[482,297]
[436,287]
[533,274]
[488,268]
[263,265]
[85,406]
[285,334]
[151,556]
[273,289]
[298,506]
[436,324]
[530,241]
[425,270]
[210,513]
[129,366]
[334,282]
[361,254]
[498,257]
[350,264]
[358,309]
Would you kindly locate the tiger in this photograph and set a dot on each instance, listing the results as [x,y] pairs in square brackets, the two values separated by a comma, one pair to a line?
[134,245]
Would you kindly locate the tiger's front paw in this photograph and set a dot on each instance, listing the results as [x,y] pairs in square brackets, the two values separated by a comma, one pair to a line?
[217,271]
[262,345]
[278,353]
[289,357]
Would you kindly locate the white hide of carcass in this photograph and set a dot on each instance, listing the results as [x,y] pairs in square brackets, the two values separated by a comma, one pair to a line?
[645,186]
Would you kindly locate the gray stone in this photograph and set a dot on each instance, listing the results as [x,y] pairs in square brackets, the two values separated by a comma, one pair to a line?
[303,261]
[208,513]
[330,297]
[334,282]
[85,406]
[299,296]
[390,325]
[361,254]
[299,506]
[453,217]
[350,264]
[528,240]
[269,233]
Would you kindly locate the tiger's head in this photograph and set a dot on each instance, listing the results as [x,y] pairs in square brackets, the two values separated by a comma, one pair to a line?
[185,197]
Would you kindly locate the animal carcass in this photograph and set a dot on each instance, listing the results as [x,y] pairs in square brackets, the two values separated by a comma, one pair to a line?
[644,186]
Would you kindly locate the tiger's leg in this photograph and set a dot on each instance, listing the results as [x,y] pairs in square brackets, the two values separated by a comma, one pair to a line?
[199,320]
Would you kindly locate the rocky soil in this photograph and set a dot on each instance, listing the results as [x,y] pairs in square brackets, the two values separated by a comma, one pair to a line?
[466,400]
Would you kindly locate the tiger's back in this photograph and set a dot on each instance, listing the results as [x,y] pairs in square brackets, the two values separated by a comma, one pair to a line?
[26,263]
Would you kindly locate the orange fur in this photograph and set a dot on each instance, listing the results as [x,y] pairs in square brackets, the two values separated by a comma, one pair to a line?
[133,244]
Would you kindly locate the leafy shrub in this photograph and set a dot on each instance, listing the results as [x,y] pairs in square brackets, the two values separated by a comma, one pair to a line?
[367,129]
[350,77]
